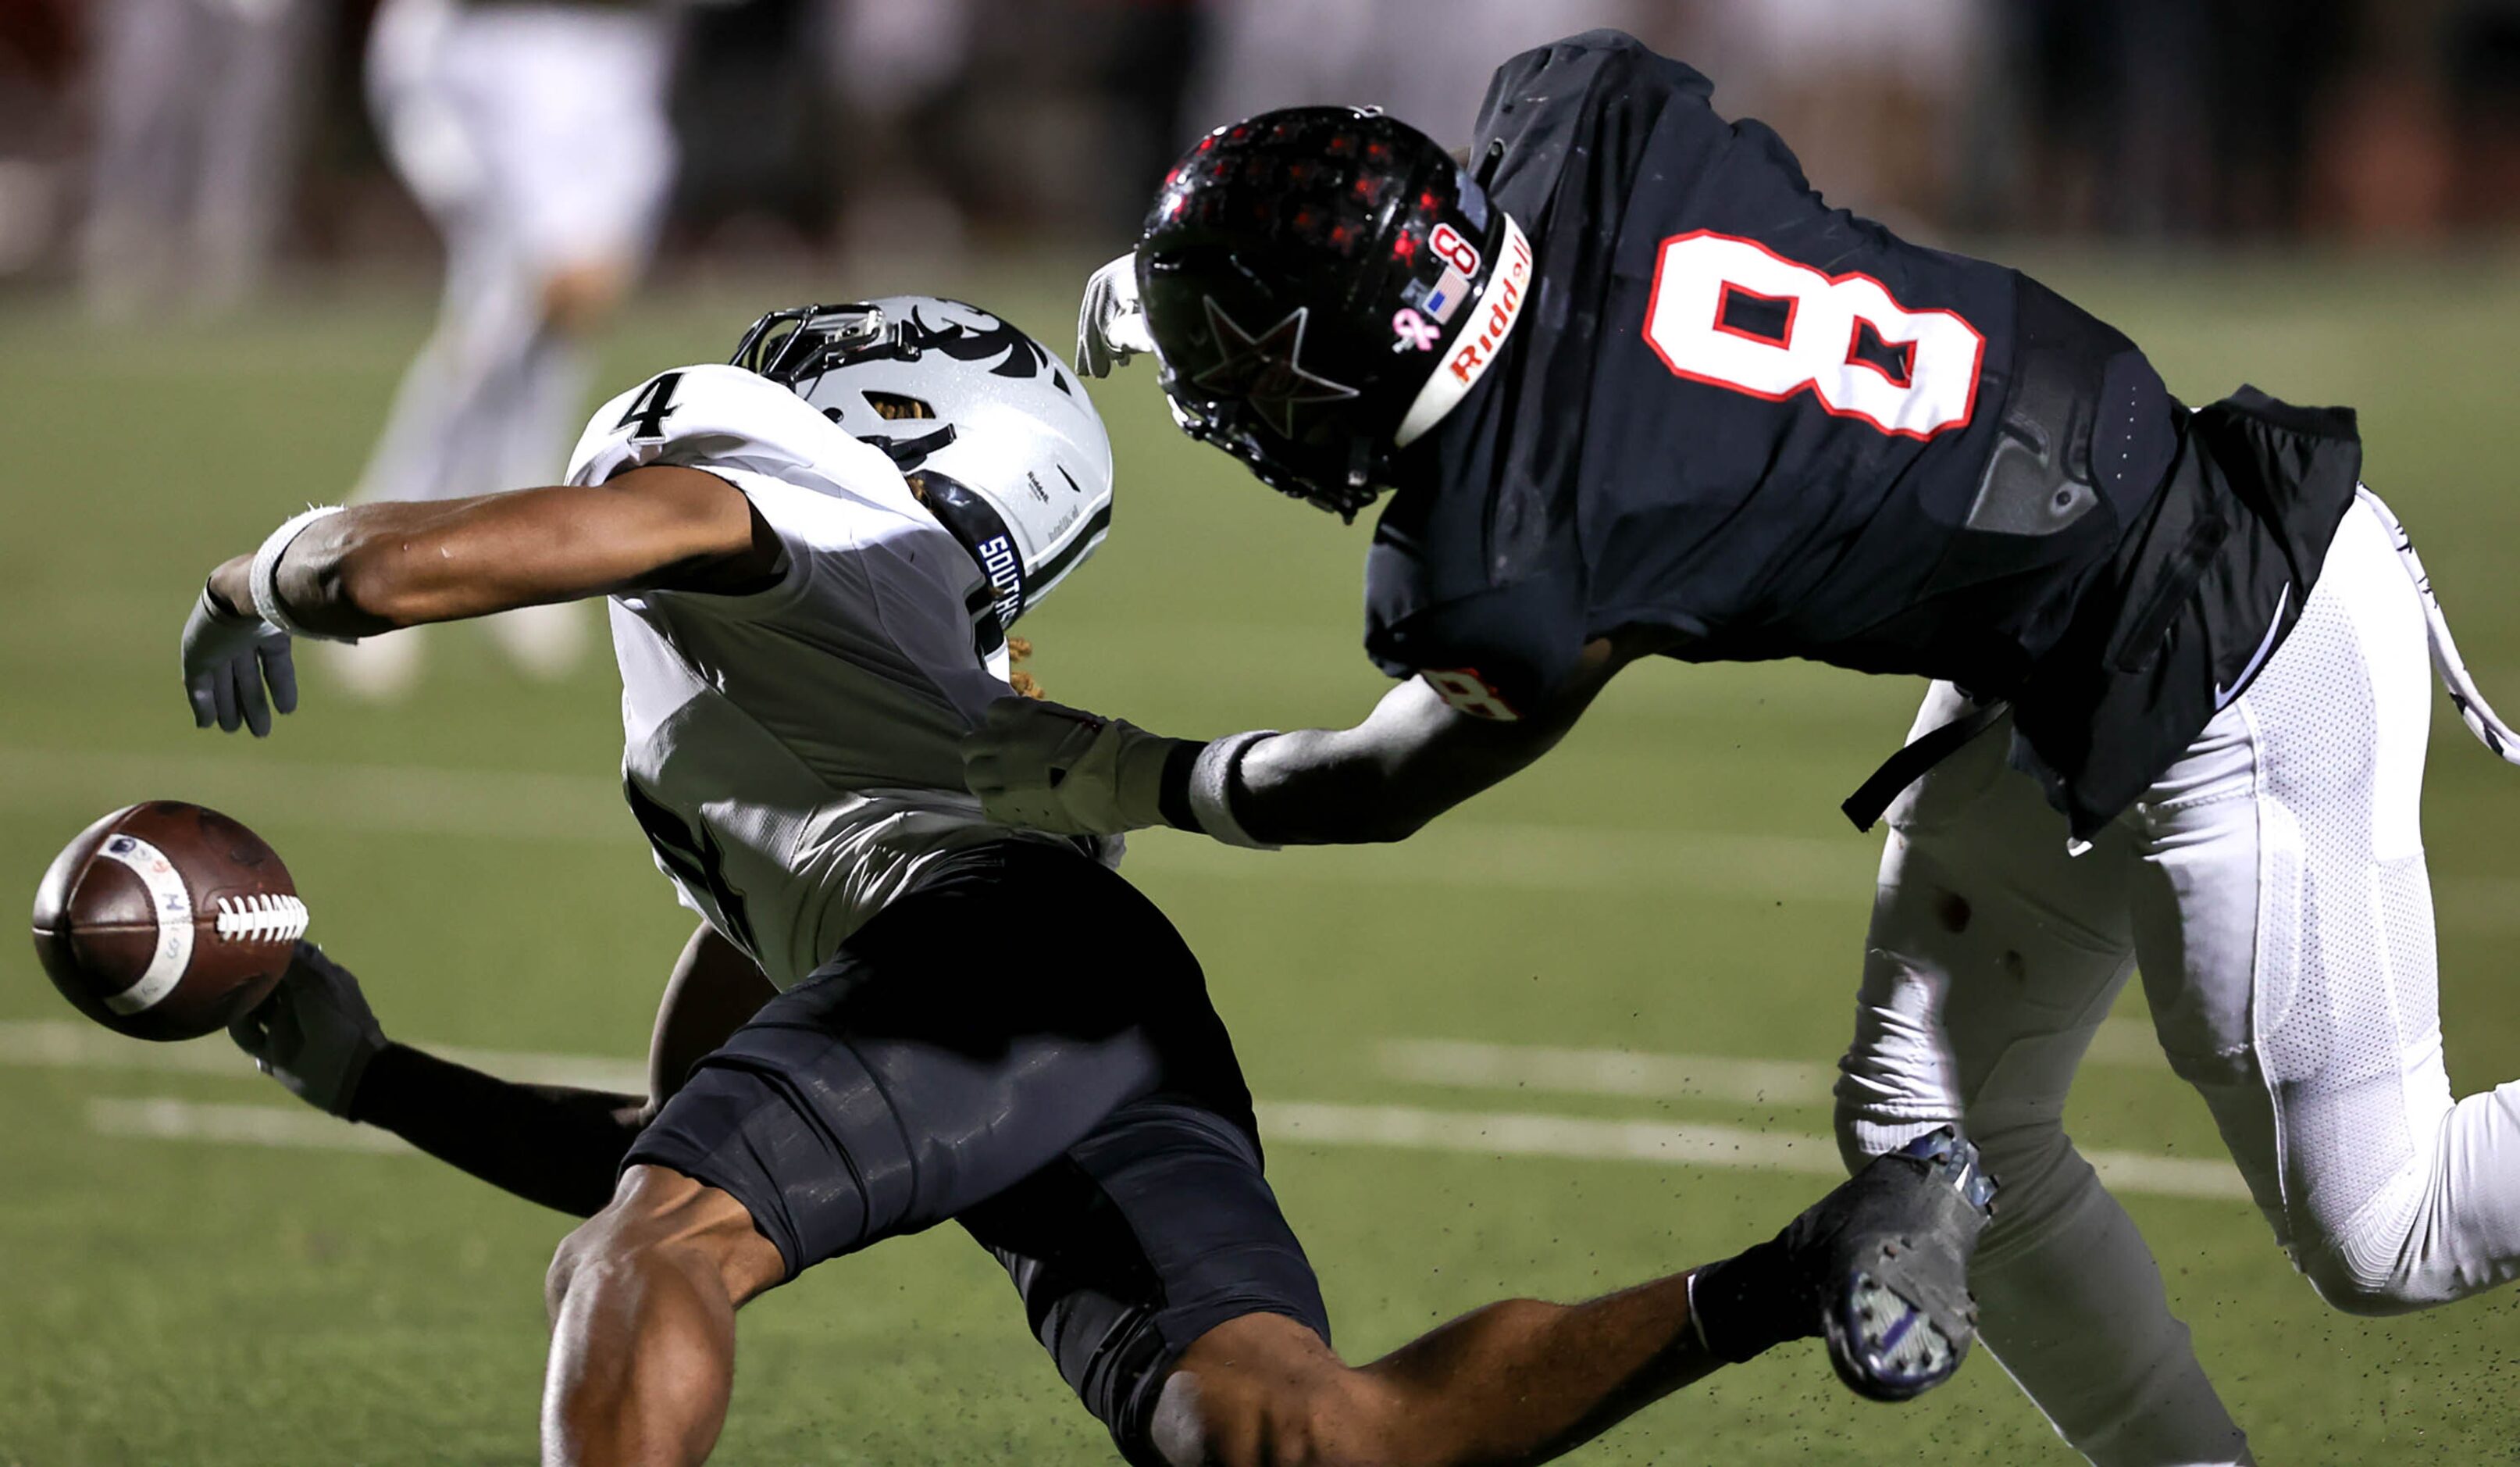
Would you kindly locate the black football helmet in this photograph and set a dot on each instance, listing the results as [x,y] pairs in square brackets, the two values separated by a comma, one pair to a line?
[1322,284]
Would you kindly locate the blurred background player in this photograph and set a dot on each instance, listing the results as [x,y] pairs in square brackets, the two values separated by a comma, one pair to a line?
[200,113]
[534,133]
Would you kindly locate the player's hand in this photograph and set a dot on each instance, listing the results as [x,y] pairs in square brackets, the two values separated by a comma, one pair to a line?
[315,1033]
[1110,325]
[1050,767]
[227,659]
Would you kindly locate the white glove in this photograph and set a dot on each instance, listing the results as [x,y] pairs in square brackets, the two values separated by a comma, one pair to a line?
[227,659]
[315,1033]
[1110,325]
[1050,767]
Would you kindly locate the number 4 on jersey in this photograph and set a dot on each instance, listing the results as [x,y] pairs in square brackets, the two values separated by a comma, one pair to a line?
[1732,313]
[648,411]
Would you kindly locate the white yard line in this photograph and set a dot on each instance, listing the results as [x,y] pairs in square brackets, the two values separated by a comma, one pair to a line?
[1469,1065]
[70,1044]
[1466,1065]
[1282,1123]
[165,1119]
[1518,1133]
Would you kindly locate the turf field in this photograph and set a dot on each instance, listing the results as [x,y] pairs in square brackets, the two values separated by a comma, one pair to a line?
[1629,968]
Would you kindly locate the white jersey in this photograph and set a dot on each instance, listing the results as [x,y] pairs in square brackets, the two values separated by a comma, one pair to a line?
[791,755]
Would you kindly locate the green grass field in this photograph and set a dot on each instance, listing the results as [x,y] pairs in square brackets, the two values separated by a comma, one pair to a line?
[1675,881]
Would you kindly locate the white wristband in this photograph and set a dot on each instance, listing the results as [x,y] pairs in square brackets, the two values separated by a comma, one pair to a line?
[1210,785]
[264,576]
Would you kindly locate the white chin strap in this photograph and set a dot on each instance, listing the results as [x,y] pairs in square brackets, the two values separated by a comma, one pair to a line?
[1474,349]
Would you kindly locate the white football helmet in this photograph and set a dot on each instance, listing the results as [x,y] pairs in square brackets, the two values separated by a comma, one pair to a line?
[995,432]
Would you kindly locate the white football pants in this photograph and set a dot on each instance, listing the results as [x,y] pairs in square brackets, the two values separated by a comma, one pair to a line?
[2271,888]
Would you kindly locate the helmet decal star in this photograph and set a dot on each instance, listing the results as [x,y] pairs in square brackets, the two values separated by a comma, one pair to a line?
[1266,370]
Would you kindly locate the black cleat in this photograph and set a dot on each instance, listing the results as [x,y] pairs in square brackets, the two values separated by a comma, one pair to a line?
[1897,1241]
[1879,1268]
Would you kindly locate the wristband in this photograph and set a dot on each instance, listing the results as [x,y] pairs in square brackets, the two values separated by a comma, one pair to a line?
[1172,797]
[1211,783]
[265,574]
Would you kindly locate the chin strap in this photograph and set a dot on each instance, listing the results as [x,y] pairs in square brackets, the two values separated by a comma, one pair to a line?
[1475,343]
[2473,709]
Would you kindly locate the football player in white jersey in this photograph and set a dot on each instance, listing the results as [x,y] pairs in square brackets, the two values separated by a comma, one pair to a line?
[534,134]
[812,556]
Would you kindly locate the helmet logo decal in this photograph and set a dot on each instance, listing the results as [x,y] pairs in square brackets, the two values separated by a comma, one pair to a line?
[1456,251]
[1266,370]
[1023,356]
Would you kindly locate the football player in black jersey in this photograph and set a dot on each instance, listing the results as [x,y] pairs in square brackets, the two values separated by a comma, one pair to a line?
[1634,390]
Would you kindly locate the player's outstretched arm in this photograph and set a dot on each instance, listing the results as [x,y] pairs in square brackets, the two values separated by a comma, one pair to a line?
[346,573]
[557,1145]
[1412,760]
[1061,769]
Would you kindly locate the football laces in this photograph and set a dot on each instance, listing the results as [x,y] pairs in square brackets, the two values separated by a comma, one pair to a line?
[261,918]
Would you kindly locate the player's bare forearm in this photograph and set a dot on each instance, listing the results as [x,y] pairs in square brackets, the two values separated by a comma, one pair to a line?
[1515,1384]
[1412,759]
[552,1144]
[373,568]
[1523,1380]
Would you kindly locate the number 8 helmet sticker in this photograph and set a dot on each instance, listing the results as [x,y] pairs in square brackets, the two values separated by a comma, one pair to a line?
[1910,372]
[1453,249]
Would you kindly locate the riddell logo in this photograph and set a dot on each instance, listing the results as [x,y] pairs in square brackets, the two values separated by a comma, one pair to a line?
[1488,332]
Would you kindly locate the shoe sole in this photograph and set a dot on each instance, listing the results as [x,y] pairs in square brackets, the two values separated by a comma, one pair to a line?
[1883,1346]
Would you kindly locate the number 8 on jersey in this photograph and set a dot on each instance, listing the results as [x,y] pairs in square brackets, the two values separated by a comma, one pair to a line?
[1732,313]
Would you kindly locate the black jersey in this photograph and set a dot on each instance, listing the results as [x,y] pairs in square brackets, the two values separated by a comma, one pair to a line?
[1765,428]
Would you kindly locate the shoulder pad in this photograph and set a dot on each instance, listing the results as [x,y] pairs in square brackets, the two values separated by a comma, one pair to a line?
[716,414]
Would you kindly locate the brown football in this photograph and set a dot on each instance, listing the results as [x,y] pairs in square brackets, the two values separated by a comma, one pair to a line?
[164,920]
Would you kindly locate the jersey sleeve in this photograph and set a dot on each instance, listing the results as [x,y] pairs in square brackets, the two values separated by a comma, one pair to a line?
[1496,652]
[716,416]
[817,488]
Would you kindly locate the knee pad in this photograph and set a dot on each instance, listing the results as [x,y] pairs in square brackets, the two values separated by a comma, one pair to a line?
[2369,1266]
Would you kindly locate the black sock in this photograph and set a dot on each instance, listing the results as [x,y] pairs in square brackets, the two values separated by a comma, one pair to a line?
[1751,1303]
